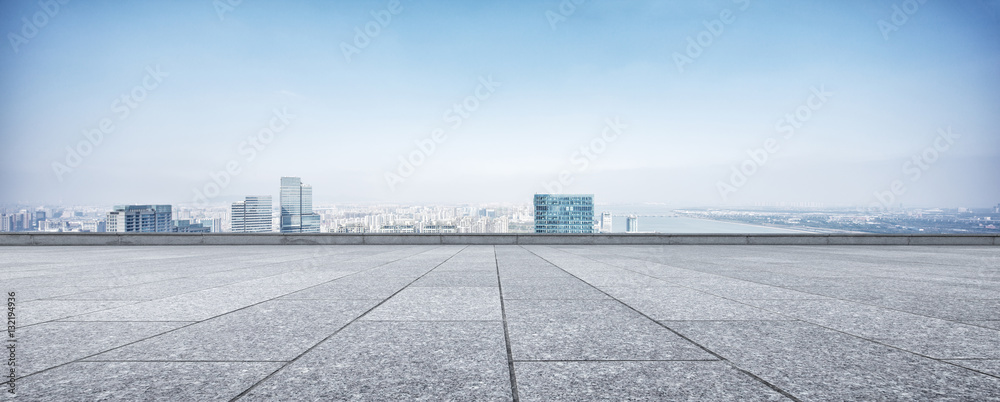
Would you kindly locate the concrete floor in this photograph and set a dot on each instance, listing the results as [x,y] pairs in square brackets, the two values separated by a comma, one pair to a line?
[534,323]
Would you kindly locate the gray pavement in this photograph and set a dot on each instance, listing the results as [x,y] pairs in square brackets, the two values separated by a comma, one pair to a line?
[532,323]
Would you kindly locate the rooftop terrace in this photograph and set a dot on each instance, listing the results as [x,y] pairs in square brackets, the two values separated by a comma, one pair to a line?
[522,322]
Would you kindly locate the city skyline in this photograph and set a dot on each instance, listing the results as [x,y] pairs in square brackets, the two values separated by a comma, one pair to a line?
[722,103]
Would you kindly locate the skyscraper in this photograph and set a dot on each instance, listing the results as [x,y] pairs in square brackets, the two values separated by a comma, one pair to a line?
[564,213]
[605,222]
[296,207]
[252,215]
[23,220]
[632,224]
[140,218]
[8,223]
[39,217]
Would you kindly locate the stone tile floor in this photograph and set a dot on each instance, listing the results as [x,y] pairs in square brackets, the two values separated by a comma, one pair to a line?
[531,323]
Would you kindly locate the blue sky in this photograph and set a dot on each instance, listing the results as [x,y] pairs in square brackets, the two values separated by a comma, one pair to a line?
[353,120]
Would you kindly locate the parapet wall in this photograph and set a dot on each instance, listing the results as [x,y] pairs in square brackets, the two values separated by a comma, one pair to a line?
[235,239]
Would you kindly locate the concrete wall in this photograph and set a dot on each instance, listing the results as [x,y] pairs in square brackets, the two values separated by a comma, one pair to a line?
[165,239]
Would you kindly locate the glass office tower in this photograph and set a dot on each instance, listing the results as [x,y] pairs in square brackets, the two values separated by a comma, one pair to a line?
[296,207]
[564,213]
[632,224]
[606,222]
[252,215]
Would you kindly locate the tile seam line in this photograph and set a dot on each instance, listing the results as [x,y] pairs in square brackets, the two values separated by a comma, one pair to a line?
[185,326]
[896,259]
[778,287]
[718,356]
[940,360]
[506,332]
[617,360]
[182,361]
[83,267]
[247,391]
[181,277]
[193,291]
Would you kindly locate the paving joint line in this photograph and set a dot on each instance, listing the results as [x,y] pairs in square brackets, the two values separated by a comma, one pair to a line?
[182,361]
[181,294]
[613,360]
[260,265]
[940,360]
[192,323]
[702,347]
[296,358]
[778,287]
[506,332]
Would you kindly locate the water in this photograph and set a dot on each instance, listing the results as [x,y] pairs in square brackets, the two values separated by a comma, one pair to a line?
[661,220]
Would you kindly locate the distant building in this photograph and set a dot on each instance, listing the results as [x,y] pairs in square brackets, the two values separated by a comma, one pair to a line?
[23,221]
[215,224]
[606,222]
[501,225]
[353,228]
[140,218]
[564,213]
[437,229]
[296,207]
[996,209]
[186,226]
[8,223]
[39,217]
[253,215]
[46,226]
[632,224]
[397,229]
[94,226]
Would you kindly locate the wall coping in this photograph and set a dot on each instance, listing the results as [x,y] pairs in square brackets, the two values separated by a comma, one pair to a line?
[234,239]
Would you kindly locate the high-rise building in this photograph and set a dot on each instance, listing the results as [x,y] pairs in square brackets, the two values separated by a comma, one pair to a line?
[23,220]
[632,224]
[39,217]
[605,222]
[8,223]
[140,218]
[296,207]
[253,215]
[564,213]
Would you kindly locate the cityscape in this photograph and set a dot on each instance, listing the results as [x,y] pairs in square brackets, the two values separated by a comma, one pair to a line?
[547,213]
[500,200]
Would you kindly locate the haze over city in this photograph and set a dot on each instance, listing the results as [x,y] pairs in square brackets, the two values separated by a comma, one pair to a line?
[830,102]
[500,200]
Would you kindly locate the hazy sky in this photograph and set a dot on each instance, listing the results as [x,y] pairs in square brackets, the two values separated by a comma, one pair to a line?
[202,79]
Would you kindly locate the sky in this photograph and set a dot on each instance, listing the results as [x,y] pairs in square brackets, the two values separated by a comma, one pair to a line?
[708,103]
